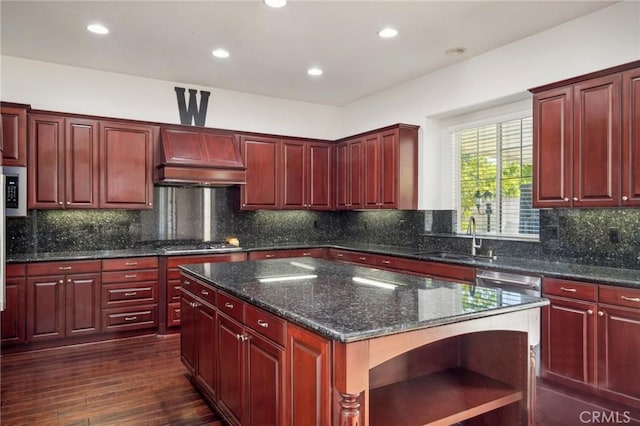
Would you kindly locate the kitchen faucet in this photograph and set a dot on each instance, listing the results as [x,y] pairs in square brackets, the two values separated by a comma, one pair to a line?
[471,230]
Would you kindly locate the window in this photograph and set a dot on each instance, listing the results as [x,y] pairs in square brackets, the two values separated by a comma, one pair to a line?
[494,164]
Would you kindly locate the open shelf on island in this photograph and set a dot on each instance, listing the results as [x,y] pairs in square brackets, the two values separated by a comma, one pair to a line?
[441,398]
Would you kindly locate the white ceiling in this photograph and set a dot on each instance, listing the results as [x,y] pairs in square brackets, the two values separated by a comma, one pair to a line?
[271,49]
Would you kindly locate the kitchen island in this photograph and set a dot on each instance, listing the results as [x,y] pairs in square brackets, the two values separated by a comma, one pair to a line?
[308,341]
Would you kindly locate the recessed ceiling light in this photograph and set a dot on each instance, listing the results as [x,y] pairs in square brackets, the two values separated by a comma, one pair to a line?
[388,32]
[314,71]
[220,53]
[275,3]
[98,29]
[455,51]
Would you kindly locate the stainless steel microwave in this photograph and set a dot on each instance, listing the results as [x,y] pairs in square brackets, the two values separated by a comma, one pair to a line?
[15,191]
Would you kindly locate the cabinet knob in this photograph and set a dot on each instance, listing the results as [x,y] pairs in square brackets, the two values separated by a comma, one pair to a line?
[60,202]
[600,313]
[68,202]
[61,281]
[625,198]
[575,198]
[151,204]
[590,312]
[566,198]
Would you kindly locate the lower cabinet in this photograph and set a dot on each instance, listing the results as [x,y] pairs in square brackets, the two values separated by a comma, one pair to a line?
[591,338]
[13,318]
[63,299]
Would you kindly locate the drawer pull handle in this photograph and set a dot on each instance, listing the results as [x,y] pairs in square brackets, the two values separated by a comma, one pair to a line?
[186,282]
[130,276]
[630,299]
[65,268]
[263,324]
[205,292]
[386,262]
[130,318]
[132,293]
[570,290]
[130,263]
[228,305]
[269,256]
[362,258]
[306,253]
[340,255]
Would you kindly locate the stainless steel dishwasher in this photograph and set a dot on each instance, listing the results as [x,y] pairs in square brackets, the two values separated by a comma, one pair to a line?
[521,284]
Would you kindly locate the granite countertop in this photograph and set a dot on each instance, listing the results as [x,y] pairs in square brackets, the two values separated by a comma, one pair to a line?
[348,303]
[566,270]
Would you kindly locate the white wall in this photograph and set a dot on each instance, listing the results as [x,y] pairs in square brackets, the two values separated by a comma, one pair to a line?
[599,40]
[79,90]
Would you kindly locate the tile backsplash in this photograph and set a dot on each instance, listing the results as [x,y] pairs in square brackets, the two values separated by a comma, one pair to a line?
[608,237]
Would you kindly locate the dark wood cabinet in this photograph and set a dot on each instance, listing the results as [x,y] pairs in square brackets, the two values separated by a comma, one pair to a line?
[350,175]
[381,170]
[308,398]
[306,180]
[188,343]
[631,138]
[14,135]
[63,162]
[585,141]
[63,299]
[262,190]
[126,165]
[13,318]
[231,359]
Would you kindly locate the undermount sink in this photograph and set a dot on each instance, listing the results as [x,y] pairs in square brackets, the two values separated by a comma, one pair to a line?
[447,255]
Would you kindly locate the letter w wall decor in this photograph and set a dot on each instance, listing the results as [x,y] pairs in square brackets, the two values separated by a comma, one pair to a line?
[192,113]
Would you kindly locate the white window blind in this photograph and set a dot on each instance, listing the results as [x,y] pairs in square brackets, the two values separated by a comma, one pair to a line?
[494,164]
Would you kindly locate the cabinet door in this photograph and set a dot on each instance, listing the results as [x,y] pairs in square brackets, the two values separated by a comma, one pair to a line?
[265,371]
[81,155]
[568,340]
[389,170]
[552,148]
[206,349]
[372,172]
[618,348]
[308,395]
[631,138]
[261,160]
[231,359]
[187,331]
[126,164]
[318,176]
[12,319]
[597,142]
[342,176]
[82,304]
[45,308]
[294,170]
[356,174]
[14,136]
[45,180]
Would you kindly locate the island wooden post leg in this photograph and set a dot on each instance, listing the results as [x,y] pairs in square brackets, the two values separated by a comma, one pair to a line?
[351,383]
[532,386]
[349,410]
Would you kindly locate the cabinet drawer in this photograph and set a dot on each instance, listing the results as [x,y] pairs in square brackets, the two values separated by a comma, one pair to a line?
[16,270]
[175,261]
[386,262]
[230,306]
[174,274]
[313,252]
[571,289]
[189,284]
[271,254]
[173,314]
[52,268]
[133,318]
[266,324]
[130,276]
[129,263]
[127,294]
[619,296]
[207,294]
[174,290]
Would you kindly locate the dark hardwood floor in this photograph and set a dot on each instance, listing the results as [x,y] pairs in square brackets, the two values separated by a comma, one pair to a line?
[135,381]
[141,381]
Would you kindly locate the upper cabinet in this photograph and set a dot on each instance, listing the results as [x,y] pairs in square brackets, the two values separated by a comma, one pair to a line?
[586,141]
[261,158]
[379,170]
[84,163]
[14,135]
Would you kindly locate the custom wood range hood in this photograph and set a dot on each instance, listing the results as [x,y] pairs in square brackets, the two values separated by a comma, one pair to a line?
[199,157]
